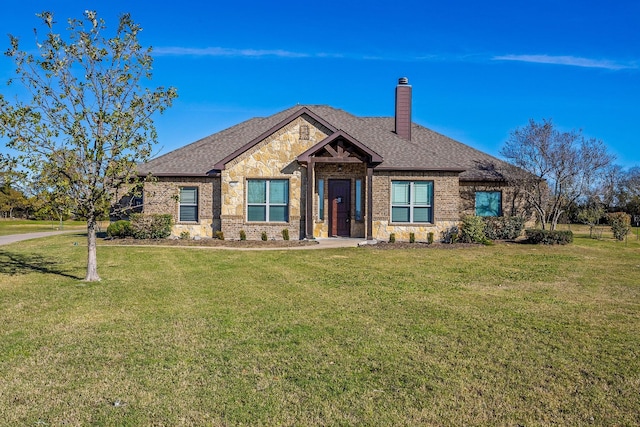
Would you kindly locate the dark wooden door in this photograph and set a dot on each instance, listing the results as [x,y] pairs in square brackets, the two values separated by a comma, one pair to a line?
[340,207]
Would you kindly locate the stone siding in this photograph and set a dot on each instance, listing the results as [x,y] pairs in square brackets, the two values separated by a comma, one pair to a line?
[272,158]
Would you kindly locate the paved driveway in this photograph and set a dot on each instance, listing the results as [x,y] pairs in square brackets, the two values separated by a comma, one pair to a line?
[12,238]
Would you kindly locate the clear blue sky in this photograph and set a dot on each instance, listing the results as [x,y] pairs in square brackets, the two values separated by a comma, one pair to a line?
[479,69]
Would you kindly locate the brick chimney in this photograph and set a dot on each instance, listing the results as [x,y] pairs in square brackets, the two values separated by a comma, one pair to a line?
[403,108]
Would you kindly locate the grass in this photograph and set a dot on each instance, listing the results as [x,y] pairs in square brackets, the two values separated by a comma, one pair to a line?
[20,226]
[499,335]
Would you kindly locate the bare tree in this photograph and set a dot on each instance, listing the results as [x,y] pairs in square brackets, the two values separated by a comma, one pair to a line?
[553,169]
[88,119]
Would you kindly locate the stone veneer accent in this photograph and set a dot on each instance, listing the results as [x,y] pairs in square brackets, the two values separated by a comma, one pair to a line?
[273,158]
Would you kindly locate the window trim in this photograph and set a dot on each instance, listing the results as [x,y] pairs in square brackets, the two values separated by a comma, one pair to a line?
[411,204]
[267,203]
[196,204]
[475,203]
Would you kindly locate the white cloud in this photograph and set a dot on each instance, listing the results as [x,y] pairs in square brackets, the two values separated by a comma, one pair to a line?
[222,51]
[567,60]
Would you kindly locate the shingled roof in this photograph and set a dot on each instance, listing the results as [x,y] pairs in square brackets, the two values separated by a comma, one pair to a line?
[426,151]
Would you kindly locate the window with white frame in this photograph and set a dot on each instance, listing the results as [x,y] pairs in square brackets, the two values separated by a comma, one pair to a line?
[268,200]
[188,204]
[412,201]
[488,203]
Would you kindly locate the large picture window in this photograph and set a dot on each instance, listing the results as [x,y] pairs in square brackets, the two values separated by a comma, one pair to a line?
[488,203]
[268,200]
[412,201]
[188,204]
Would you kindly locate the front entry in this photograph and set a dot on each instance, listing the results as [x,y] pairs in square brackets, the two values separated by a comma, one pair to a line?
[340,207]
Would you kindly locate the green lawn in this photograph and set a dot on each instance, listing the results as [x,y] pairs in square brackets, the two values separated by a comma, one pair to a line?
[19,226]
[491,335]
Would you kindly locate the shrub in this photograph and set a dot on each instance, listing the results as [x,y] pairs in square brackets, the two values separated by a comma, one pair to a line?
[620,224]
[412,237]
[392,238]
[472,230]
[503,228]
[243,235]
[119,229]
[285,234]
[548,237]
[430,237]
[185,235]
[450,235]
[156,226]
[218,235]
[263,236]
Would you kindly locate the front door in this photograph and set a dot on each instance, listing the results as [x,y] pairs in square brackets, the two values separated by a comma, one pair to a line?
[340,207]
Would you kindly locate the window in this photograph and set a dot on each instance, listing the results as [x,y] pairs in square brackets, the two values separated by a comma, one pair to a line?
[321,199]
[488,203]
[188,204]
[268,200]
[358,200]
[411,201]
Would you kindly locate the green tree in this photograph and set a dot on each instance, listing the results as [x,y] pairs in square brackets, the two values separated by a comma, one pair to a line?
[87,119]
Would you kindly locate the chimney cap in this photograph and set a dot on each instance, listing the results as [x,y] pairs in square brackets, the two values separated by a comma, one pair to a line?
[403,81]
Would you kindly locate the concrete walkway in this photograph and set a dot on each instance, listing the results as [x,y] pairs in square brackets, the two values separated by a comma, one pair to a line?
[323,243]
[12,238]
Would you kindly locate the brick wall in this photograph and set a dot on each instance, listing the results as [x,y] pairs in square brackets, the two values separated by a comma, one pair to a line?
[162,195]
[446,205]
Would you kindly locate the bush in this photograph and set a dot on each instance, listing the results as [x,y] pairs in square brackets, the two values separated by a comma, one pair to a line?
[412,237]
[503,227]
[430,237]
[392,238]
[548,237]
[156,226]
[120,229]
[263,236]
[472,230]
[218,235]
[620,224]
[185,235]
[285,234]
[243,235]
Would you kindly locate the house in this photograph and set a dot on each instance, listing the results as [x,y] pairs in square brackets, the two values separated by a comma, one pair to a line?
[319,171]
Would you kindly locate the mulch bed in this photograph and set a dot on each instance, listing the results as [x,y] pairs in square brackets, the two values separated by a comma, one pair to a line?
[277,244]
[211,243]
[420,245]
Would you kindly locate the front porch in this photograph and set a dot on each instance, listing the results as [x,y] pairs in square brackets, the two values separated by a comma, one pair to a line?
[339,188]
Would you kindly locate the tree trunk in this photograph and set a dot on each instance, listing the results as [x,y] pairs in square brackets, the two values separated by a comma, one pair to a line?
[92,259]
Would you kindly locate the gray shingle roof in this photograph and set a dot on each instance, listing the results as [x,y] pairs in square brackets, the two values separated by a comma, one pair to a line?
[427,150]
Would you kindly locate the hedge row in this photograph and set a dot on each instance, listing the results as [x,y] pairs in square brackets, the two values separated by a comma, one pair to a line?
[142,226]
[476,229]
[549,237]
